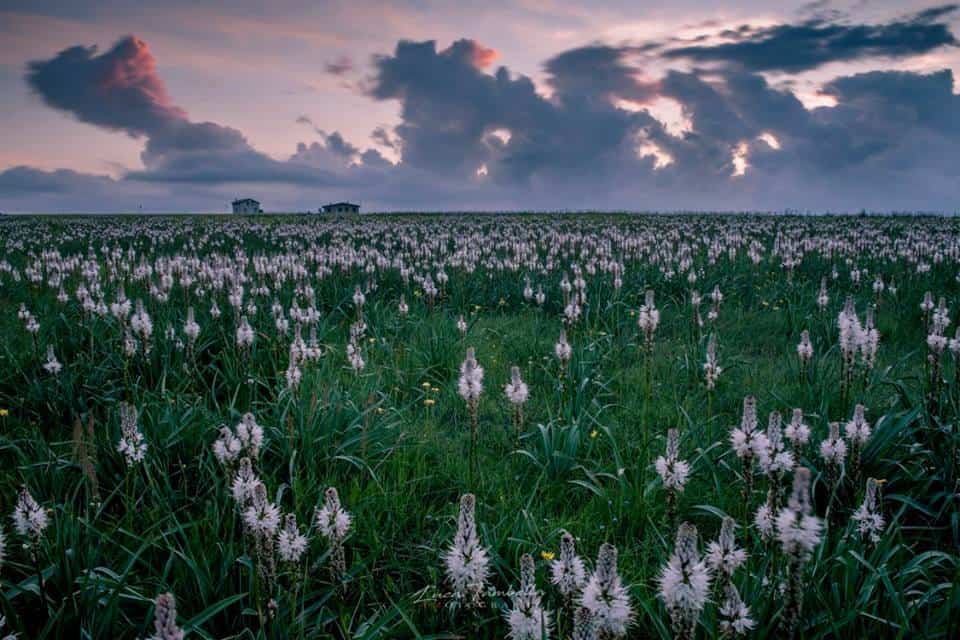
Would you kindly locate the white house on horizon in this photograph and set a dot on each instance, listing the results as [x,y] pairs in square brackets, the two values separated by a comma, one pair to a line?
[340,207]
[246,205]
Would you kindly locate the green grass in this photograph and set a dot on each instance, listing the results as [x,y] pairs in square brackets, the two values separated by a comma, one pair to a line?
[584,462]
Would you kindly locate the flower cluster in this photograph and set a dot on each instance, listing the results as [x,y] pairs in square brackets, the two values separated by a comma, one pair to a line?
[685,583]
[131,444]
[467,562]
[605,596]
[245,440]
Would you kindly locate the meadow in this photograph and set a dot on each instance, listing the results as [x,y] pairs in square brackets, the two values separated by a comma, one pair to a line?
[480,426]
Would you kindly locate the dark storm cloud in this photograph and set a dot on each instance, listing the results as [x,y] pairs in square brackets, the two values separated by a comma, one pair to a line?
[598,71]
[893,120]
[450,107]
[818,41]
[447,103]
[889,143]
[910,99]
[882,119]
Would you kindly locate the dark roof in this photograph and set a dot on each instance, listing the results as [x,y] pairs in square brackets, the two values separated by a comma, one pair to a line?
[341,204]
[245,200]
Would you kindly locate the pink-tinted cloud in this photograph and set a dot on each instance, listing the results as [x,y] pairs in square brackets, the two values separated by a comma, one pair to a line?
[135,69]
[119,89]
[477,54]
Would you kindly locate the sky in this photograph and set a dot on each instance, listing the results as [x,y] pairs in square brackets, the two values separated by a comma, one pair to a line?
[416,105]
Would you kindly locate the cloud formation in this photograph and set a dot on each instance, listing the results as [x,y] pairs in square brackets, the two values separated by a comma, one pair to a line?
[598,72]
[815,42]
[120,89]
[473,136]
[456,118]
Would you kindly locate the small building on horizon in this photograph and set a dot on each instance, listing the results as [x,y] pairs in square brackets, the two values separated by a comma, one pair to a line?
[340,207]
[246,205]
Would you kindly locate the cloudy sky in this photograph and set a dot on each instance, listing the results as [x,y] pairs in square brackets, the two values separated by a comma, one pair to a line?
[529,104]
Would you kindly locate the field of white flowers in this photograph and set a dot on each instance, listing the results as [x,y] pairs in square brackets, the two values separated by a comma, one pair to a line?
[480,427]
